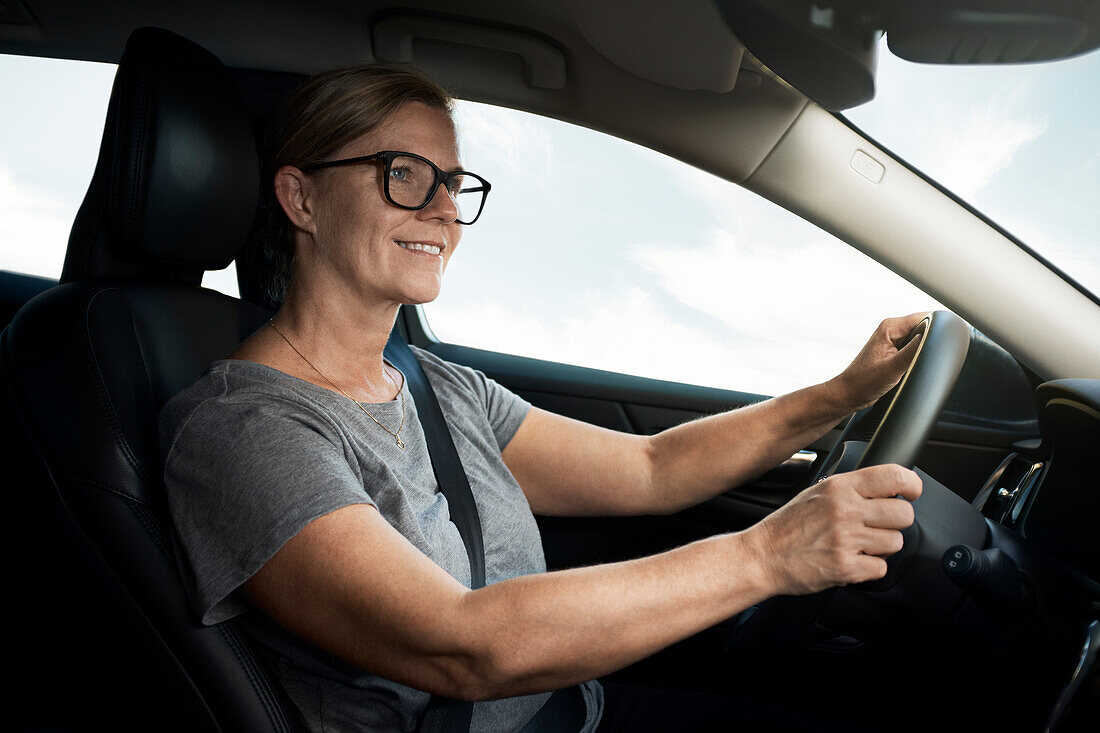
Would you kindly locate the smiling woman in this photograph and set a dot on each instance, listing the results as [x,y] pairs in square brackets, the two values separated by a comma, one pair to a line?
[333,113]
[300,485]
[355,233]
[294,517]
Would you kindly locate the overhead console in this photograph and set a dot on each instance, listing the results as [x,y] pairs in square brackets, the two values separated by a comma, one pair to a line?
[826,49]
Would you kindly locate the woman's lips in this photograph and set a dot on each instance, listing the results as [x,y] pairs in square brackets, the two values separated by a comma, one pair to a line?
[424,248]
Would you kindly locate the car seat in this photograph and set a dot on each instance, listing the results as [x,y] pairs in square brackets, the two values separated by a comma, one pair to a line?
[89,364]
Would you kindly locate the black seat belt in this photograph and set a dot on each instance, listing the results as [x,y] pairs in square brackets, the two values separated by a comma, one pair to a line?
[443,715]
[565,710]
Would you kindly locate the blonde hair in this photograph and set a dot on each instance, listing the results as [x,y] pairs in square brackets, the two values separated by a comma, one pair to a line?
[324,114]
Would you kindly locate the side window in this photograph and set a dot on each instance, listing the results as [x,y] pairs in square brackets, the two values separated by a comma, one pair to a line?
[51,125]
[601,253]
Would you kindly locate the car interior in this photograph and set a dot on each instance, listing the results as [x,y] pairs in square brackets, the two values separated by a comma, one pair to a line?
[988,618]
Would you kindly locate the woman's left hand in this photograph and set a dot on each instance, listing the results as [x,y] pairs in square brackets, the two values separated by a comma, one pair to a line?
[881,362]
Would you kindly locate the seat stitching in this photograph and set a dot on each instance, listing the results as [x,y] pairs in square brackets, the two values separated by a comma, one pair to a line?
[104,395]
[100,485]
[137,506]
[139,138]
[154,528]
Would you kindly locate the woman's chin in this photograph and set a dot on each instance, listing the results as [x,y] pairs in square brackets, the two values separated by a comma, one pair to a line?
[419,295]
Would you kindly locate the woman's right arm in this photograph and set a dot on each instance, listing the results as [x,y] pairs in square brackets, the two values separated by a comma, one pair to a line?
[351,584]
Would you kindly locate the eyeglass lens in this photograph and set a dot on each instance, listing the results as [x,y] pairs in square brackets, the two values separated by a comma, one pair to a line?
[410,184]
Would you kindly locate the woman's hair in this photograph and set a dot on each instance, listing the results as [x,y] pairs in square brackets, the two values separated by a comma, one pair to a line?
[324,114]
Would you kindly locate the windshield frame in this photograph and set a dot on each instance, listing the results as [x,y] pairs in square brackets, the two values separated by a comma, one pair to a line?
[1077,285]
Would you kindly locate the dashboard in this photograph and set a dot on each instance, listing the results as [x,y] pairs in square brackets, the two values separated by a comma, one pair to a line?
[1049,493]
[1004,588]
[1032,592]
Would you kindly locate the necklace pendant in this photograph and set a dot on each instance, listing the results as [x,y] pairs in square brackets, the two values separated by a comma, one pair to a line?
[400,443]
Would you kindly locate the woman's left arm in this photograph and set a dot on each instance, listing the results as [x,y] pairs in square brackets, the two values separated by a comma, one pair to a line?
[570,468]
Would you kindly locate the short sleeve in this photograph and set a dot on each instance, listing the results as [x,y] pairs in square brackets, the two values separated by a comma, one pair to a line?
[244,473]
[504,409]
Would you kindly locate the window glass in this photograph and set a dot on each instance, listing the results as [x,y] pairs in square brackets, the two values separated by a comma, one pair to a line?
[598,252]
[1019,142]
[51,125]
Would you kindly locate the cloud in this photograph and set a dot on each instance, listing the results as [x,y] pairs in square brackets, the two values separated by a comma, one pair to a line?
[494,137]
[983,145]
[627,332]
[719,288]
[1070,251]
[34,227]
[773,345]
[960,125]
[34,233]
[818,291]
[731,291]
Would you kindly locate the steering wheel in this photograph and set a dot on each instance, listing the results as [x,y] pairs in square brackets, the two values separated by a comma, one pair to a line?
[896,427]
[893,430]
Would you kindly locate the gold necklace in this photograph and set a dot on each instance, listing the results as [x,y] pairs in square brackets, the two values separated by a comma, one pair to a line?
[400,392]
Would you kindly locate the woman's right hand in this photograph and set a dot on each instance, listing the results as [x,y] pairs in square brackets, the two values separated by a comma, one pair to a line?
[838,531]
[349,583]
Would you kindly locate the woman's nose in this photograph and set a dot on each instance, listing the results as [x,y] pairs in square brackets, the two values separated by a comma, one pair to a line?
[442,205]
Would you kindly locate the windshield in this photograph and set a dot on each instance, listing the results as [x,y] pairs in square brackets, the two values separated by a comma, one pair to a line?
[1020,143]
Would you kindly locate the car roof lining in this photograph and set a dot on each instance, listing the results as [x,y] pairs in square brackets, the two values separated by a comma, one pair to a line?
[727,134]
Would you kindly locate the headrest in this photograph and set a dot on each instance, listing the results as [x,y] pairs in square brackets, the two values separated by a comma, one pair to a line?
[177,181]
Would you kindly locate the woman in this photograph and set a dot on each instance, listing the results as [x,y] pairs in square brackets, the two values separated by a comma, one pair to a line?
[299,481]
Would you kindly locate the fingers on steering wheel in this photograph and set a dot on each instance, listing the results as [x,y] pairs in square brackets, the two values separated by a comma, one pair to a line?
[888,514]
[881,542]
[898,329]
[867,567]
[910,349]
[906,324]
[887,480]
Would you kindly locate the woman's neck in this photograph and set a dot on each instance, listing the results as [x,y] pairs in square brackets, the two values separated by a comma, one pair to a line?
[342,342]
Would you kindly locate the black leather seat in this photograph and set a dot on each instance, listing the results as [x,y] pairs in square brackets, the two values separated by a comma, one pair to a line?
[90,363]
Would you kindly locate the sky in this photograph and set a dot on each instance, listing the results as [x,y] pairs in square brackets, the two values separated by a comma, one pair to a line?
[599,252]
[50,127]
[606,254]
[1021,143]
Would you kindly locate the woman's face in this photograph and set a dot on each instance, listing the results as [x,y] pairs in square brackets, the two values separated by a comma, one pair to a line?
[358,235]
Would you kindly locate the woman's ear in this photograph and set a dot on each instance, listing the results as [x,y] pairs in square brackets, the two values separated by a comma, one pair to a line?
[294,192]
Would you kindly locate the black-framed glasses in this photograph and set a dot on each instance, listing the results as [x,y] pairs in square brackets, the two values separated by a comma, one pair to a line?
[410,181]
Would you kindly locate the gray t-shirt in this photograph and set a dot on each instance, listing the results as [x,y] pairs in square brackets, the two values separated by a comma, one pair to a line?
[252,455]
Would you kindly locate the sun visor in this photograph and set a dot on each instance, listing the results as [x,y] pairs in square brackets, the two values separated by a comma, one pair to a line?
[678,43]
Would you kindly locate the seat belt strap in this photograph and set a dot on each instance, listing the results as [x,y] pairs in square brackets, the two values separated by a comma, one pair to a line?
[444,456]
[443,715]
